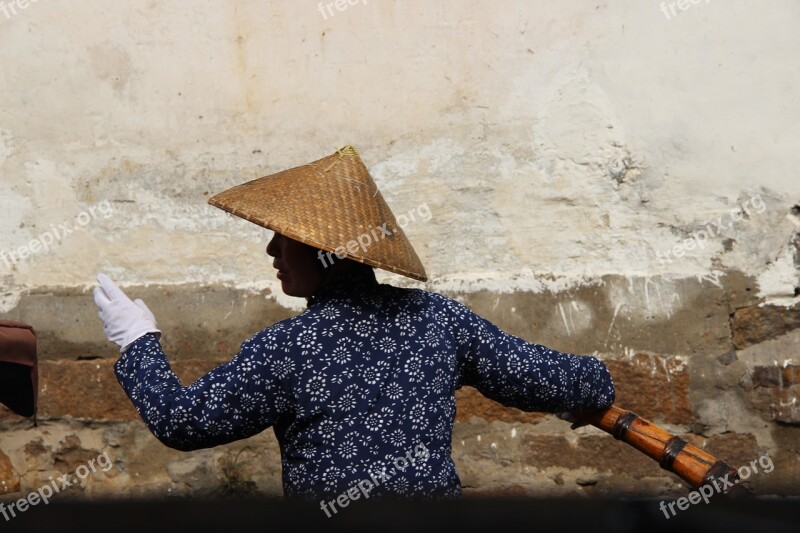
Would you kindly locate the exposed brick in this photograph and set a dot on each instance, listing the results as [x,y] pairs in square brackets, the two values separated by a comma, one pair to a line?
[654,387]
[601,452]
[82,389]
[470,402]
[752,325]
[89,389]
[791,375]
[9,479]
[766,376]
[775,392]
[770,376]
[736,449]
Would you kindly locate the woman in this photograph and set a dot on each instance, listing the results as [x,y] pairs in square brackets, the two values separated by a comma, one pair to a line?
[359,388]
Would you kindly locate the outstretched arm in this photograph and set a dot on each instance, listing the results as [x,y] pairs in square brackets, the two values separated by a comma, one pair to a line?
[234,401]
[530,377]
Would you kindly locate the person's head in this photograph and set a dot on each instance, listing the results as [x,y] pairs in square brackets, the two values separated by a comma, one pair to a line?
[299,266]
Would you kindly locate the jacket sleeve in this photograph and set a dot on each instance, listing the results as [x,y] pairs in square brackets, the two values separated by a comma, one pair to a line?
[234,401]
[530,377]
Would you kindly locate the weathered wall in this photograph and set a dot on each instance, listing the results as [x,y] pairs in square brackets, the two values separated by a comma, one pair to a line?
[617,178]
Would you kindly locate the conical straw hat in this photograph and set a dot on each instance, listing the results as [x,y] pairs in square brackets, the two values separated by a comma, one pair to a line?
[328,204]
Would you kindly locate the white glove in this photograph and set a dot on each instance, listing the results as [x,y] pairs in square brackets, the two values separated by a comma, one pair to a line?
[124,320]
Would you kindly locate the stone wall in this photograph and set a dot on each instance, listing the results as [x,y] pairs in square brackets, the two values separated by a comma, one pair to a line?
[609,179]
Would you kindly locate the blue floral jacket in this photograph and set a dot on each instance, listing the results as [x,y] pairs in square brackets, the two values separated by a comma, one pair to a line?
[364,376]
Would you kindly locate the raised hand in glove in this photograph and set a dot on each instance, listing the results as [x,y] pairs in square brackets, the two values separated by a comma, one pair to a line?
[124,320]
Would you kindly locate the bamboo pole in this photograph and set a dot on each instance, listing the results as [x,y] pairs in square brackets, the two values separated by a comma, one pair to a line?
[673,453]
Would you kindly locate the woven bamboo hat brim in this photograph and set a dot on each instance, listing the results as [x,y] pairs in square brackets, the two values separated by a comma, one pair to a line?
[327,204]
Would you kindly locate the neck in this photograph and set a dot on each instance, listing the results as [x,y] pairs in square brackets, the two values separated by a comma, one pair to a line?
[351,277]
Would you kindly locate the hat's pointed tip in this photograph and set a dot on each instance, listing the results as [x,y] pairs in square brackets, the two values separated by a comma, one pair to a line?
[348,149]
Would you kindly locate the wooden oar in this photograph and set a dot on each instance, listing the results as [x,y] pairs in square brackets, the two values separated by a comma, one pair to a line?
[674,454]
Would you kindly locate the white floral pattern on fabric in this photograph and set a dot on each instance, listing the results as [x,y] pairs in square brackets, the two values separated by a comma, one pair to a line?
[365,373]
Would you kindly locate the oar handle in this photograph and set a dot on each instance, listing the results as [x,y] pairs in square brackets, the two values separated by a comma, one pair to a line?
[673,453]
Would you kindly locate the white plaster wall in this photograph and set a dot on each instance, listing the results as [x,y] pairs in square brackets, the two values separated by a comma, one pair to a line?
[554,141]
